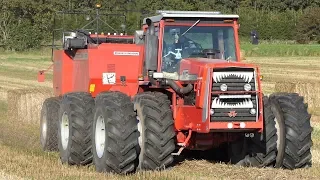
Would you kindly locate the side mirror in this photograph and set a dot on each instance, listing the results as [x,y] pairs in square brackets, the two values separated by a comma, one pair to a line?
[151,47]
[139,37]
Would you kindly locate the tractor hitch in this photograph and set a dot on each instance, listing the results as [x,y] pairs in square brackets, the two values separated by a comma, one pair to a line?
[184,144]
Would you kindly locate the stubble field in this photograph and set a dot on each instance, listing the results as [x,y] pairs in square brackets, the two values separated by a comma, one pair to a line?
[21,157]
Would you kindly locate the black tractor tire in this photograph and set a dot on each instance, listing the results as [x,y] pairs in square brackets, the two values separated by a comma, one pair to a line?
[49,124]
[254,152]
[75,128]
[156,131]
[238,151]
[298,142]
[161,97]
[115,120]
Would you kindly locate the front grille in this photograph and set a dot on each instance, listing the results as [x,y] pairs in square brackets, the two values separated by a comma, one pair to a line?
[221,108]
[235,79]
[228,105]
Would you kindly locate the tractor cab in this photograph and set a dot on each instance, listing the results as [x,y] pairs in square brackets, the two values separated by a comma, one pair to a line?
[197,56]
[187,35]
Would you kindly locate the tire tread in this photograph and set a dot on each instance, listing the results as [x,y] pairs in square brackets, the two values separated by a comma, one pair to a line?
[52,106]
[81,106]
[159,131]
[298,130]
[121,132]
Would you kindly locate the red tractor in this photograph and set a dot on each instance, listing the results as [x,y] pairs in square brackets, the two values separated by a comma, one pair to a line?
[128,103]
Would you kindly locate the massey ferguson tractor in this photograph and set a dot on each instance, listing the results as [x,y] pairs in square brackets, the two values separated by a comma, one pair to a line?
[130,103]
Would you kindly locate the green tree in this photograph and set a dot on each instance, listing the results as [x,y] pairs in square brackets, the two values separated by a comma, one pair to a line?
[308,28]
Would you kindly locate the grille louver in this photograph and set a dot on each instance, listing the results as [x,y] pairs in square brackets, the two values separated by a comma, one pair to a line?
[235,79]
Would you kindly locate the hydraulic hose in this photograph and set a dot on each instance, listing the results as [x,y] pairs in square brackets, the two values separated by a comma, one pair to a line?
[177,89]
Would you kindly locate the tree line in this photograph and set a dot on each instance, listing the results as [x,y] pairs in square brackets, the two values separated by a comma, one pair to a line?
[27,24]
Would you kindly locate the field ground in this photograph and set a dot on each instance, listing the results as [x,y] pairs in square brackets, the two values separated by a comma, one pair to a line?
[22,158]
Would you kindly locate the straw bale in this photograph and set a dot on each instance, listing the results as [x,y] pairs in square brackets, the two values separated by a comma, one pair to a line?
[310,92]
[25,104]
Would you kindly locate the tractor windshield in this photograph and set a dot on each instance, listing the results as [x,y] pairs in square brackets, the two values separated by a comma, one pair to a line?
[195,43]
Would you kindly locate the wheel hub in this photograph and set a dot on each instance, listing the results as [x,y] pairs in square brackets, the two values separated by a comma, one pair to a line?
[64,130]
[100,136]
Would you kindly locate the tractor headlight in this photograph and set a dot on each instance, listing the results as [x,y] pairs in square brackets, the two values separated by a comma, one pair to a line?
[253,111]
[223,87]
[247,87]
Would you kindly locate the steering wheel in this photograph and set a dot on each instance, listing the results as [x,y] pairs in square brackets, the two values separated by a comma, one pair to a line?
[190,47]
[211,53]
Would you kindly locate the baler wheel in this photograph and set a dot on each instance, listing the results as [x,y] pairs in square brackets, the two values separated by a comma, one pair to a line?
[49,124]
[114,134]
[75,128]
[298,142]
[263,153]
[156,128]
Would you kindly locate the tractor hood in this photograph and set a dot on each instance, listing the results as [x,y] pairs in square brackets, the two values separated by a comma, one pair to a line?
[195,66]
[205,62]
[191,69]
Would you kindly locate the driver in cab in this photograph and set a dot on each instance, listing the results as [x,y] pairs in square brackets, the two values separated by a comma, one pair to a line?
[182,47]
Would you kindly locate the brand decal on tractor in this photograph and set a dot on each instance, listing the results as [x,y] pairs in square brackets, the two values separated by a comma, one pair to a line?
[232,114]
[124,53]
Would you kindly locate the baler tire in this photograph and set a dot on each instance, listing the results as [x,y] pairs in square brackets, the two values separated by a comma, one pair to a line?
[49,124]
[298,142]
[264,153]
[118,155]
[156,131]
[76,112]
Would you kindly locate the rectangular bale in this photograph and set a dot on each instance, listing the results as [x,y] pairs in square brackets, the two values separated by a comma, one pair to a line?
[310,92]
[24,105]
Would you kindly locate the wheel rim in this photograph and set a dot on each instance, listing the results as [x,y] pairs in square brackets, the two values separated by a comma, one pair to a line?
[44,127]
[100,136]
[64,130]
[139,130]
[278,132]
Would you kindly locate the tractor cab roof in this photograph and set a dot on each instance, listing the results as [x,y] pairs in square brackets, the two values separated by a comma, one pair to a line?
[162,14]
